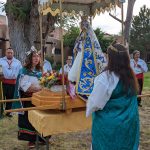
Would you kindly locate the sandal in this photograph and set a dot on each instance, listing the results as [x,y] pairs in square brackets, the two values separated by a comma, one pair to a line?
[31,145]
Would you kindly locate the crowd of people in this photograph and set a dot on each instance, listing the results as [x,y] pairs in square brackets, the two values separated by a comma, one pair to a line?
[21,81]
[111,95]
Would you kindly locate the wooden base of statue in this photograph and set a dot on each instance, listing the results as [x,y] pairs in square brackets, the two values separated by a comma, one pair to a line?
[54,99]
[50,123]
[54,121]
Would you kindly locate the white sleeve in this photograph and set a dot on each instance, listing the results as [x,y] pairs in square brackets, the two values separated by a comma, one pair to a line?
[60,71]
[47,67]
[50,67]
[131,64]
[24,83]
[20,65]
[144,66]
[103,88]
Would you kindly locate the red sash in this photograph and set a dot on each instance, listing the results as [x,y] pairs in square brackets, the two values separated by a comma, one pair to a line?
[140,76]
[9,81]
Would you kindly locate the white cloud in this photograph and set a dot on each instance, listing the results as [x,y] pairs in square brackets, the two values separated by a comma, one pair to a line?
[109,25]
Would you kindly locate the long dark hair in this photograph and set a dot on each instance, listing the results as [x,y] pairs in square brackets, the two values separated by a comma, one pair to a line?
[28,63]
[119,63]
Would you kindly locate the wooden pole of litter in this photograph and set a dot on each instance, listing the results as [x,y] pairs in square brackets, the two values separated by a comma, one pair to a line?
[144,95]
[55,105]
[1,105]
[44,107]
[63,105]
[15,100]
[41,39]
[29,99]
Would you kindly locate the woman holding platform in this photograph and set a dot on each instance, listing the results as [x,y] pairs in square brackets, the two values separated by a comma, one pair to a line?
[27,84]
[113,103]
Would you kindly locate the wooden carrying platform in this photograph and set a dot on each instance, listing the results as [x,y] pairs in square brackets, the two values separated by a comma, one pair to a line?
[52,122]
[54,99]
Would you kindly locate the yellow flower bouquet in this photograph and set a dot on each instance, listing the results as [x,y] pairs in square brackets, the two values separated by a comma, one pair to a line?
[48,80]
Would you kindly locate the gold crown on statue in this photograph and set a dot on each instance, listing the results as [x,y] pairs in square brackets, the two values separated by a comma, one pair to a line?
[69,57]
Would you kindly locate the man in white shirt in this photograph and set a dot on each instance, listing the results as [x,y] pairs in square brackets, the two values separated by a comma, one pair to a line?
[139,67]
[10,68]
[68,66]
[47,66]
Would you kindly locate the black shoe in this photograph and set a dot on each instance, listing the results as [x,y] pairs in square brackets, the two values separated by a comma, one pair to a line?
[140,105]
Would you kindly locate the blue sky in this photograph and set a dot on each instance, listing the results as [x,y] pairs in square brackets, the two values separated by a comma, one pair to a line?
[108,24]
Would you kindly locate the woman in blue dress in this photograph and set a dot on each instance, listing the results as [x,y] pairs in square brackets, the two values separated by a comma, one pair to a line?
[113,104]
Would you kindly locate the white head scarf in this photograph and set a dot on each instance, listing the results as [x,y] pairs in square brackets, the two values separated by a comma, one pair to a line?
[33,49]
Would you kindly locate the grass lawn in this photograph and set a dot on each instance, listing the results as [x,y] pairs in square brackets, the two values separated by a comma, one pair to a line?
[147,81]
[75,141]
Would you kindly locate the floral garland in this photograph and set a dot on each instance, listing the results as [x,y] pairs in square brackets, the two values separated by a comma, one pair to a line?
[50,79]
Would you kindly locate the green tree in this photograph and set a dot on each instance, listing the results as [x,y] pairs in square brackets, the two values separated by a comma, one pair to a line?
[23,23]
[70,36]
[24,26]
[140,31]
[104,40]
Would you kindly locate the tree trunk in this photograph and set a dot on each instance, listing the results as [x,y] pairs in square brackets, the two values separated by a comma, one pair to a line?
[24,33]
[128,20]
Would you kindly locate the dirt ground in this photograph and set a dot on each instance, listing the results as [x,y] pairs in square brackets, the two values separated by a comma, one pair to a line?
[73,141]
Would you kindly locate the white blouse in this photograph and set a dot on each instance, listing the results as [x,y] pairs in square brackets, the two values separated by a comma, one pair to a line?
[136,69]
[10,68]
[104,84]
[47,66]
[66,69]
[26,81]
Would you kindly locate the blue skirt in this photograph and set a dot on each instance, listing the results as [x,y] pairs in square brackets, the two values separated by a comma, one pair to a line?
[116,127]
